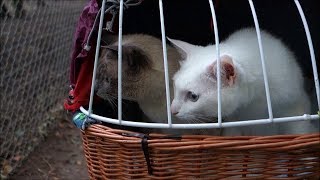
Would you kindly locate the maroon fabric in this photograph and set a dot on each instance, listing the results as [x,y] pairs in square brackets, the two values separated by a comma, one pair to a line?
[81,60]
[83,29]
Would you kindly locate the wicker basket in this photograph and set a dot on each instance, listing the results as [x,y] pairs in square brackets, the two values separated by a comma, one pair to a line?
[120,154]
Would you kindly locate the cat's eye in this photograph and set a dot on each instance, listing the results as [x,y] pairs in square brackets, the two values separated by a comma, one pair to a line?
[192,96]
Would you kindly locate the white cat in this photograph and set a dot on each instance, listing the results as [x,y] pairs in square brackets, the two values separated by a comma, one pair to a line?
[242,90]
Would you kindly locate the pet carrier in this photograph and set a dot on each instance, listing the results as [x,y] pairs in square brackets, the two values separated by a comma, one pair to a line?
[114,153]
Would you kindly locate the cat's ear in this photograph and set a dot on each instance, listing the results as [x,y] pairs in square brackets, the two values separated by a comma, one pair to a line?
[113,48]
[184,48]
[108,38]
[109,51]
[134,58]
[227,71]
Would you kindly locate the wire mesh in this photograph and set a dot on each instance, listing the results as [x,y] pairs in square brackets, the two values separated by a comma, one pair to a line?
[35,43]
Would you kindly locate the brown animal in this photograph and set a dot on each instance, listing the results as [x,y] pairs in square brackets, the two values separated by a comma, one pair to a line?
[143,78]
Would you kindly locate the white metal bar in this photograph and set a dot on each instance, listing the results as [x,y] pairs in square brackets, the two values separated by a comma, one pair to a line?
[165,61]
[265,77]
[120,63]
[202,125]
[311,49]
[96,58]
[216,36]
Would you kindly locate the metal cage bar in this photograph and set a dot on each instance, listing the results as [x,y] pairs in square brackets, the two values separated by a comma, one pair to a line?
[264,71]
[96,58]
[202,125]
[216,36]
[120,63]
[311,49]
[165,62]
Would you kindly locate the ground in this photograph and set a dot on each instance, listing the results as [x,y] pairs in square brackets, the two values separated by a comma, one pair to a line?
[59,156]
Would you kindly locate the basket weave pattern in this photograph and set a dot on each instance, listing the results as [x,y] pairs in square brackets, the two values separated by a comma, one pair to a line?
[119,154]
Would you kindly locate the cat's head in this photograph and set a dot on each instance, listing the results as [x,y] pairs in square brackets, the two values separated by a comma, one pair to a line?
[135,64]
[195,84]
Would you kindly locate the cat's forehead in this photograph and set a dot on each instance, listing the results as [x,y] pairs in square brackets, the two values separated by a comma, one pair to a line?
[193,69]
[188,79]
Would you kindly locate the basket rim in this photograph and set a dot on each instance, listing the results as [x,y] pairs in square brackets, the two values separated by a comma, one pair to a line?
[186,142]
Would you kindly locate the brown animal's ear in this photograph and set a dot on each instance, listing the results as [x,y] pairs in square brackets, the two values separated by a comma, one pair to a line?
[112,48]
[109,52]
[108,38]
[134,59]
[227,71]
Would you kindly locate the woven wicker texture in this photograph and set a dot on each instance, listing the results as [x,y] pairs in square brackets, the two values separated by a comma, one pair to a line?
[119,154]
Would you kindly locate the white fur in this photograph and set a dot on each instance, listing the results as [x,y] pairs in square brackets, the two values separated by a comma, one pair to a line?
[245,99]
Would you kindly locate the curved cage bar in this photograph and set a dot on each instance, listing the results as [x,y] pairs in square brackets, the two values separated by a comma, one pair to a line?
[311,49]
[265,77]
[165,62]
[120,63]
[96,58]
[200,125]
[216,36]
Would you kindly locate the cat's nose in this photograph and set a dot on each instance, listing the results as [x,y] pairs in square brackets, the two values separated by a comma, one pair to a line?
[174,110]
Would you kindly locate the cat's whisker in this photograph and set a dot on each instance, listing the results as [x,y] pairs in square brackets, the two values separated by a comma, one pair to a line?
[113,103]
[202,118]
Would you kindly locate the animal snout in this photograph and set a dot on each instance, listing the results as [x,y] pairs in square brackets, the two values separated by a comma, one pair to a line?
[174,110]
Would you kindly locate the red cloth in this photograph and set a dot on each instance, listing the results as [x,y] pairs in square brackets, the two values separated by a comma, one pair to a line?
[81,92]
[82,61]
